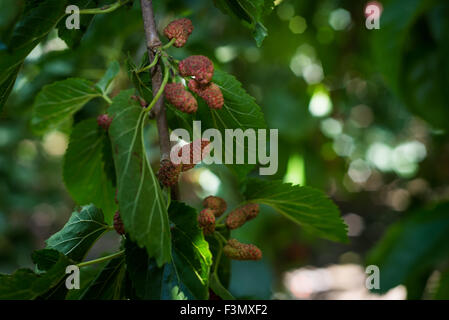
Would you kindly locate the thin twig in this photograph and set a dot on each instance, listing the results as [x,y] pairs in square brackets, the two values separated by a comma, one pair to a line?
[153,42]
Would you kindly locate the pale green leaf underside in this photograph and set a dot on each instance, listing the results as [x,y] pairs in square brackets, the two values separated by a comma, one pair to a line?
[60,100]
[84,172]
[141,202]
[309,207]
[79,233]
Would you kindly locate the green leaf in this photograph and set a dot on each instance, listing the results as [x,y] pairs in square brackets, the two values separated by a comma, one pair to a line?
[59,101]
[141,81]
[80,233]
[187,275]
[24,284]
[397,18]
[191,256]
[141,202]
[260,33]
[111,73]
[7,85]
[84,169]
[10,12]
[45,259]
[308,207]
[218,288]
[414,64]
[87,276]
[240,111]
[109,283]
[250,13]
[73,37]
[411,246]
[37,20]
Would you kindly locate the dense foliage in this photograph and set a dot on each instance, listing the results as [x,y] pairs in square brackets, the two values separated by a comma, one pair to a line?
[384,112]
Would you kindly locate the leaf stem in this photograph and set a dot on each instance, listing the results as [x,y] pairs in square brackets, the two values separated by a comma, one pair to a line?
[161,88]
[217,261]
[221,238]
[219,220]
[151,65]
[102,259]
[106,98]
[106,8]
[168,45]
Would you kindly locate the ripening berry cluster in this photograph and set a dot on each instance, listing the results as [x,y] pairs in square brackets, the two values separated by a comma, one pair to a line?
[197,70]
[180,30]
[214,207]
[241,251]
[118,223]
[104,121]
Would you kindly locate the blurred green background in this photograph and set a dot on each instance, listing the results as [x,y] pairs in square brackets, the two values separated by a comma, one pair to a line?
[361,114]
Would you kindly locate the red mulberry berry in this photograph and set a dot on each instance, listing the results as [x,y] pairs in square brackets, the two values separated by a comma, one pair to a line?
[206,220]
[180,30]
[210,93]
[168,173]
[240,251]
[118,223]
[104,121]
[217,204]
[199,67]
[252,210]
[177,95]
[236,219]
[239,216]
[189,163]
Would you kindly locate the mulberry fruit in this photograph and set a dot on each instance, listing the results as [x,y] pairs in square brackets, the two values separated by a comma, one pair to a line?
[252,210]
[180,30]
[217,204]
[210,93]
[118,223]
[168,173]
[195,156]
[206,220]
[104,121]
[199,67]
[177,95]
[240,251]
[239,216]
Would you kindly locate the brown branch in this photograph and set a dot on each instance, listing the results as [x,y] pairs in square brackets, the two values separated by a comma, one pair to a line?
[158,111]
